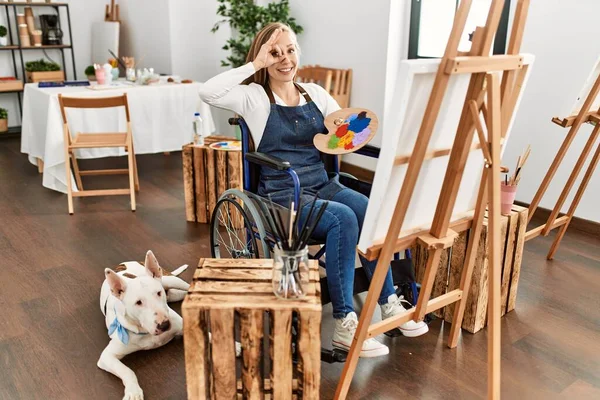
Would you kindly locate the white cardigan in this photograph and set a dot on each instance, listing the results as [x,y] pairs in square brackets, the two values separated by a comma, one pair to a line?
[251,101]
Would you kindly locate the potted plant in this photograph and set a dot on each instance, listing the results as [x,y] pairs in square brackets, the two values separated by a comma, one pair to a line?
[3,38]
[43,71]
[90,72]
[3,120]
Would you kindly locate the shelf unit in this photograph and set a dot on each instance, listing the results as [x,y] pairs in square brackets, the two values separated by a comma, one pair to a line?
[17,50]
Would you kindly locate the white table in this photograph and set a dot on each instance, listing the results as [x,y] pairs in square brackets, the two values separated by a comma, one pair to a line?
[161,121]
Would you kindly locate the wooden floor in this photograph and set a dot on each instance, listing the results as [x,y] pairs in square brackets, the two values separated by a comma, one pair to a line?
[52,331]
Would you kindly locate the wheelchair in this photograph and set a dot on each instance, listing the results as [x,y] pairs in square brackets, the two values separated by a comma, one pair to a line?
[239,223]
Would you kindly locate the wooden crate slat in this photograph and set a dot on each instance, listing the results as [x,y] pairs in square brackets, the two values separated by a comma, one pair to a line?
[518,257]
[239,274]
[251,324]
[509,252]
[420,256]
[234,180]
[223,353]
[211,180]
[457,261]
[196,346]
[280,337]
[188,183]
[221,171]
[220,287]
[200,185]
[264,263]
[309,354]
[268,302]
[235,263]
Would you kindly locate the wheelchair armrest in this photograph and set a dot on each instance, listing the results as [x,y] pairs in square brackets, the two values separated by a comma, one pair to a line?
[268,161]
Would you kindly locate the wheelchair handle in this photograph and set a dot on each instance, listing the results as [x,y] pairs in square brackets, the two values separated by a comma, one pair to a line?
[234,121]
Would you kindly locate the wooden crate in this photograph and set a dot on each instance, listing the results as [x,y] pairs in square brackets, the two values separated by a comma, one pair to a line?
[207,173]
[45,76]
[513,229]
[9,85]
[228,295]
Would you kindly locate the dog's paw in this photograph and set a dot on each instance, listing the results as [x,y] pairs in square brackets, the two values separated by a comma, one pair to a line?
[133,392]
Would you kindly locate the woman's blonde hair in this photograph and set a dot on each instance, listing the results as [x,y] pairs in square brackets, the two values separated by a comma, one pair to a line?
[262,77]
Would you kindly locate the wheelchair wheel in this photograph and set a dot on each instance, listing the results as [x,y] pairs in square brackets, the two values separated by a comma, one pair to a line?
[231,231]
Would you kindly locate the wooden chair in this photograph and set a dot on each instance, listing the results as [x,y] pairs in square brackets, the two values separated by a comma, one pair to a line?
[98,140]
[338,82]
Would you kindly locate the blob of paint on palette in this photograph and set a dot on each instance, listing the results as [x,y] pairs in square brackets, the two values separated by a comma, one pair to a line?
[349,130]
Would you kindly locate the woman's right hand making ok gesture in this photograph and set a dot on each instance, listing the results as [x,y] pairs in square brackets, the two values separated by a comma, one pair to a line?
[269,52]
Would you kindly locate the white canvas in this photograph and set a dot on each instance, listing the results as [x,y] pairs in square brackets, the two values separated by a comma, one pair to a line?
[105,37]
[585,91]
[400,131]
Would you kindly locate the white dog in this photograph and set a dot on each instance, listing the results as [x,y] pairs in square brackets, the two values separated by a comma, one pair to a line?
[134,299]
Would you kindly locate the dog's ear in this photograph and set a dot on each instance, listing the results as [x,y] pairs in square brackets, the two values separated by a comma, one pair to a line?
[116,283]
[152,266]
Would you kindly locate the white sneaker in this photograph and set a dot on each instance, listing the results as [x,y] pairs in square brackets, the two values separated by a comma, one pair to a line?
[394,307]
[344,334]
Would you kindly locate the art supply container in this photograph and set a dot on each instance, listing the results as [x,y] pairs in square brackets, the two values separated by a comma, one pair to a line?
[507,197]
[130,74]
[290,273]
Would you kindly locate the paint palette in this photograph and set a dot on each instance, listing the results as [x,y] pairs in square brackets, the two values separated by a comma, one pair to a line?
[233,145]
[349,130]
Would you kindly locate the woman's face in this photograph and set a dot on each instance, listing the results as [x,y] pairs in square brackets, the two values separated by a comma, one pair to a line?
[287,59]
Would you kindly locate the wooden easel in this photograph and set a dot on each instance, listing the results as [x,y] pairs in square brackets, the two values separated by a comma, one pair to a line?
[586,114]
[501,101]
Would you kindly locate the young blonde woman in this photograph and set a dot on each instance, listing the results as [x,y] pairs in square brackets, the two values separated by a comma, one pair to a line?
[283,117]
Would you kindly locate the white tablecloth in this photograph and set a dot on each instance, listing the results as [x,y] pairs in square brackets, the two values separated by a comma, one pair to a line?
[161,120]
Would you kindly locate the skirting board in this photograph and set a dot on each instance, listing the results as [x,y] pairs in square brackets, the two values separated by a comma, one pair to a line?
[582,225]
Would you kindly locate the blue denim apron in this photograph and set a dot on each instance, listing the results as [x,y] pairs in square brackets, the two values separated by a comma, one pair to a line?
[289,135]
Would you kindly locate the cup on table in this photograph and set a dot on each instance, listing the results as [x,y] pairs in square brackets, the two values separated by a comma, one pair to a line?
[507,197]
[107,73]
[100,76]
[37,38]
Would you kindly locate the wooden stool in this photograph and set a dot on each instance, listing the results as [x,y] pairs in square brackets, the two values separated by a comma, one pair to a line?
[207,173]
[452,260]
[229,294]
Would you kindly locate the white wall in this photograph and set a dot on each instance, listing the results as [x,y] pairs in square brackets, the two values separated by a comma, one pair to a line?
[559,34]
[146,33]
[196,51]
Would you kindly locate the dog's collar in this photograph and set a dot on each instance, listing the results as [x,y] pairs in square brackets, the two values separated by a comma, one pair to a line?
[122,331]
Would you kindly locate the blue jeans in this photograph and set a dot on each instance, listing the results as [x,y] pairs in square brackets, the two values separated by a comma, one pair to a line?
[340,226]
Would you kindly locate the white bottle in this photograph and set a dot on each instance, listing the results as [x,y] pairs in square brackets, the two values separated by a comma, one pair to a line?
[198,131]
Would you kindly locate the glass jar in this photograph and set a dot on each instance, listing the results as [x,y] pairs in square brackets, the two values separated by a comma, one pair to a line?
[290,273]
[130,74]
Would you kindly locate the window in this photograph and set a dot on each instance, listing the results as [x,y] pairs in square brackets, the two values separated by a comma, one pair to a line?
[431,23]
